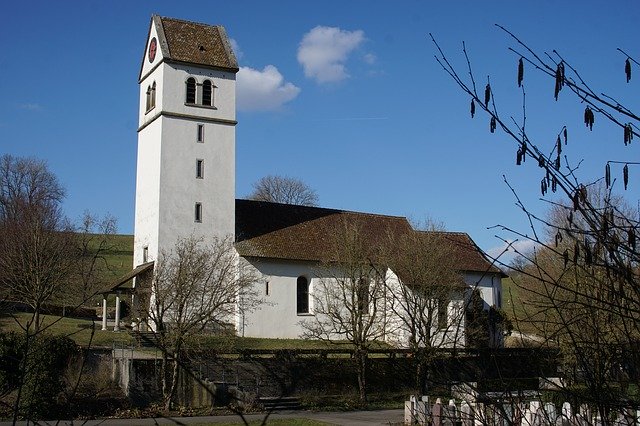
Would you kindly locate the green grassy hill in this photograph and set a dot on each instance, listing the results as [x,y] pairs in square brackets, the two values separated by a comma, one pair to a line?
[120,256]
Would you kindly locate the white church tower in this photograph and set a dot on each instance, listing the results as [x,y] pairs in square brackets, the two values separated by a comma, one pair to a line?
[185,181]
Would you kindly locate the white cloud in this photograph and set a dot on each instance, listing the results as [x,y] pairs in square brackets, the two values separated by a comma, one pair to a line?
[263,90]
[521,246]
[370,58]
[323,52]
[30,106]
[236,48]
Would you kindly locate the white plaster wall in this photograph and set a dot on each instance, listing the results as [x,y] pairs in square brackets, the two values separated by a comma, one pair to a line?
[144,116]
[147,193]
[277,316]
[146,65]
[166,185]
[489,285]
[398,334]
[174,96]
[180,189]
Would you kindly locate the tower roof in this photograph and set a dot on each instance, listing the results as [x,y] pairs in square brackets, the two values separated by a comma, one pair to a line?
[194,43]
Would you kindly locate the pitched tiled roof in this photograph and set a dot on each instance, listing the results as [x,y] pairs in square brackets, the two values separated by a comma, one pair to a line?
[285,231]
[468,256]
[199,44]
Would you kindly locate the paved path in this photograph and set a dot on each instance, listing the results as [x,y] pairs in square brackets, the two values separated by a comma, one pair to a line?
[351,418]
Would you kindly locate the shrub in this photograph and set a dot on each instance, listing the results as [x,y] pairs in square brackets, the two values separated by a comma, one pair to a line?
[32,369]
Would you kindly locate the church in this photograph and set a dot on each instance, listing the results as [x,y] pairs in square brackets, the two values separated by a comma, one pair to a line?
[185,186]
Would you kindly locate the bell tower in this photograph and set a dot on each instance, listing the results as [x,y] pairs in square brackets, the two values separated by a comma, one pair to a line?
[185,183]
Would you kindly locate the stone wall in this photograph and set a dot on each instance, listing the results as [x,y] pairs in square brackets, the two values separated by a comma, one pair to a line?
[215,379]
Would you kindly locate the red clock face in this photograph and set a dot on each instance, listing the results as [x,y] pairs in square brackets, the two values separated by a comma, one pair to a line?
[153,47]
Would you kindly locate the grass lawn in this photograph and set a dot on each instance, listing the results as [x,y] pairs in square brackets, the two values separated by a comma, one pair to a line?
[275,422]
[120,256]
[77,329]
[513,303]
[80,331]
[232,343]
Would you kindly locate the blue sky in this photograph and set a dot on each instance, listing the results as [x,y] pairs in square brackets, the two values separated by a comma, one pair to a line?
[345,95]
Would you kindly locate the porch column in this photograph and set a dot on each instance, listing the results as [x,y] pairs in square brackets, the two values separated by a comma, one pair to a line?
[104,311]
[116,327]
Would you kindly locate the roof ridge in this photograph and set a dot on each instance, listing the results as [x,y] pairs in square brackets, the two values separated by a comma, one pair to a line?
[189,22]
[326,208]
[444,232]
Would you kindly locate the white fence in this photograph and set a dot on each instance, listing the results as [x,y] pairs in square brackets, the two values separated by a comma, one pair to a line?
[533,413]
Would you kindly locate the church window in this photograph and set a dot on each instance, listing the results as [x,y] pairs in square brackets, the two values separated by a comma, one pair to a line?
[443,314]
[153,96]
[148,103]
[200,168]
[207,93]
[200,137]
[198,212]
[362,295]
[191,90]
[302,293]
[145,254]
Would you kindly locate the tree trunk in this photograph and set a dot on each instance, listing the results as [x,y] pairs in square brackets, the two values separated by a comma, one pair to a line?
[36,319]
[175,371]
[361,360]
[165,377]
[170,390]
[419,382]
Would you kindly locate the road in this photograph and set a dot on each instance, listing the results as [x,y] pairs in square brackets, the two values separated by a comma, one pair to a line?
[351,418]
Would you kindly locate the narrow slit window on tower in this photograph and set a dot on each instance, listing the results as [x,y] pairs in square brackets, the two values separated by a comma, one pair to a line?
[198,212]
[200,137]
[153,96]
[200,168]
[191,90]
[207,93]
[145,254]
[148,103]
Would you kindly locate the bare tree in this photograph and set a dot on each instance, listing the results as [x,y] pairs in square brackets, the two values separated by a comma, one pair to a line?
[284,189]
[583,275]
[427,298]
[40,255]
[348,299]
[26,182]
[37,250]
[94,240]
[196,287]
[581,306]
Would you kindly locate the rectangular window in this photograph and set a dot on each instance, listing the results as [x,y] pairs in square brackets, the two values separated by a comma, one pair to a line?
[443,313]
[362,295]
[200,133]
[302,295]
[199,169]
[266,288]
[198,212]
[145,254]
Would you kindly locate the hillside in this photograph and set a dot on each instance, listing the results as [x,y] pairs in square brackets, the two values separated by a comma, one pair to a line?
[120,256]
